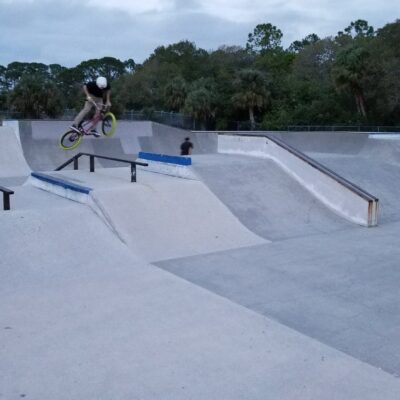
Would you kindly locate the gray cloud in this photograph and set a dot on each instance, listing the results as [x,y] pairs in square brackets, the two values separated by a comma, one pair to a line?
[68,32]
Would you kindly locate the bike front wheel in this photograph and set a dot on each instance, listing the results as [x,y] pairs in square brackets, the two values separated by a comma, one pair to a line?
[109,124]
[70,140]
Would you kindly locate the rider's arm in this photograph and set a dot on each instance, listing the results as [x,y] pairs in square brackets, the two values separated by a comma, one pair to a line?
[87,94]
[108,97]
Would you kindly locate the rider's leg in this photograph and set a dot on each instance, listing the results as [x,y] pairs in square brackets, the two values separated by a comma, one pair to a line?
[85,110]
[99,104]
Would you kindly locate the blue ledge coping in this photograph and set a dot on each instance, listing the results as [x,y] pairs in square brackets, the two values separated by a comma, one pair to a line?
[61,182]
[165,158]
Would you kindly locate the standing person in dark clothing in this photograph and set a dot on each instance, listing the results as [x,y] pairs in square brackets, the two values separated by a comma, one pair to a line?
[186,147]
[97,92]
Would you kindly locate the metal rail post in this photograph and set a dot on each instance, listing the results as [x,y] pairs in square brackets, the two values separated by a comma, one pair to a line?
[76,166]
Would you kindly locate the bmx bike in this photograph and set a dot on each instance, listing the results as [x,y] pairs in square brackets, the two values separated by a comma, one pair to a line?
[71,139]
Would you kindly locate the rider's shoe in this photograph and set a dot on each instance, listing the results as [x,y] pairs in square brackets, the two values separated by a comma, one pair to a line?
[75,128]
[95,133]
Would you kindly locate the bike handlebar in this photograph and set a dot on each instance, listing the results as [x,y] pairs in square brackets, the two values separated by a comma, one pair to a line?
[104,107]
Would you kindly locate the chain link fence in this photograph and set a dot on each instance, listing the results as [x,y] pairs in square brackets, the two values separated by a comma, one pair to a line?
[343,128]
[246,126]
[178,120]
[183,121]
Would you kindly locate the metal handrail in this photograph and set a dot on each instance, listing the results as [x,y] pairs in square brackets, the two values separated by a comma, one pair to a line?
[76,157]
[6,197]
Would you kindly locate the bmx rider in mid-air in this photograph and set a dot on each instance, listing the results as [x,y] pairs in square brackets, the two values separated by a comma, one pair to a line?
[98,93]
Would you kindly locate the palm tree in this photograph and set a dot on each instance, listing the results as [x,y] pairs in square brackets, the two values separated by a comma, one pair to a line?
[201,101]
[200,104]
[251,92]
[175,93]
[349,71]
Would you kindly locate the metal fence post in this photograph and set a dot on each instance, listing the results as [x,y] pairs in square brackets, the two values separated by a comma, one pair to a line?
[91,163]
[76,166]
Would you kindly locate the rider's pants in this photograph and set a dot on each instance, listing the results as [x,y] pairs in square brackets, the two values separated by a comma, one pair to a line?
[86,109]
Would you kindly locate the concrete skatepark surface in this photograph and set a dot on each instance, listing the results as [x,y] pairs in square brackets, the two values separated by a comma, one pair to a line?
[196,289]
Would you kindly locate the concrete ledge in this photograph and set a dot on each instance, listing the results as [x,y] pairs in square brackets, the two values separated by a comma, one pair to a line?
[61,182]
[177,166]
[384,136]
[179,160]
[60,187]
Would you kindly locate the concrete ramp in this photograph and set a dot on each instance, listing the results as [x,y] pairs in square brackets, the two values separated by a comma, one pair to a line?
[339,194]
[12,160]
[265,198]
[167,140]
[370,161]
[159,217]
[374,174]
[40,142]
[39,139]
[84,316]
[384,148]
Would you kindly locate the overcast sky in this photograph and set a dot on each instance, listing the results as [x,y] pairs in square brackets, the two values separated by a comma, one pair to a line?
[70,31]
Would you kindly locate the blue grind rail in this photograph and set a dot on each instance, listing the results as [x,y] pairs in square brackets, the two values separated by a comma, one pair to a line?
[165,158]
[61,182]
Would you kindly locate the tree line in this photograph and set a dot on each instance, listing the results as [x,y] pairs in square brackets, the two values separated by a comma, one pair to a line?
[350,78]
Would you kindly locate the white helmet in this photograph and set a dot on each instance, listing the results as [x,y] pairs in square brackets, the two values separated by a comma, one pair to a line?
[101,82]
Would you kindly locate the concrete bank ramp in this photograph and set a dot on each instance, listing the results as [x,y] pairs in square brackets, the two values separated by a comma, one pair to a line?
[39,139]
[40,142]
[13,166]
[339,194]
[370,161]
[374,175]
[84,318]
[383,147]
[265,198]
[152,137]
[160,217]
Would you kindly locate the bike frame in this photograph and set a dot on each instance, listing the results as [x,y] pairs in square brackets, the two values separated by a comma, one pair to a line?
[86,126]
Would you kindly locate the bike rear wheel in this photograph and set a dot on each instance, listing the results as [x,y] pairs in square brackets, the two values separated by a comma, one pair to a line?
[109,124]
[70,140]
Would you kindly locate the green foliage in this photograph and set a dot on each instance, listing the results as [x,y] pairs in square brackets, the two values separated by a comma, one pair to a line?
[201,102]
[109,67]
[299,45]
[385,90]
[350,78]
[350,71]
[129,65]
[175,94]
[360,28]
[189,61]
[251,93]
[35,98]
[251,89]
[264,37]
